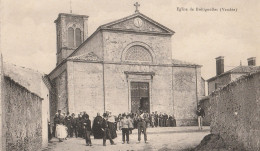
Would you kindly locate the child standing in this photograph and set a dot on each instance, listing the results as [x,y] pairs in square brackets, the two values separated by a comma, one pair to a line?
[125,129]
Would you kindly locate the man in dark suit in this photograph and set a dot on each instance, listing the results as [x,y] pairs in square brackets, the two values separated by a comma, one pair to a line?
[156,118]
[165,117]
[68,121]
[74,125]
[57,120]
[201,115]
[87,127]
[107,133]
[79,125]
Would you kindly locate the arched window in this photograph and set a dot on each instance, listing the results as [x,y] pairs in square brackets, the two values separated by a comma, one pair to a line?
[71,37]
[78,37]
[138,53]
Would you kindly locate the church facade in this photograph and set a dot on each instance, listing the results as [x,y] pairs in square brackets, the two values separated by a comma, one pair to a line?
[124,66]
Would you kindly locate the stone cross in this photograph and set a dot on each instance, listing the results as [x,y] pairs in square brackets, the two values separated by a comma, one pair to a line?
[136,6]
[70,7]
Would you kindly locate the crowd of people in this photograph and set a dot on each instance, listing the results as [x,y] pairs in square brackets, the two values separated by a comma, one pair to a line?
[106,126]
[152,120]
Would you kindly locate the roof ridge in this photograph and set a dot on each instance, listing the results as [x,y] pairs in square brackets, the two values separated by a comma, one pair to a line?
[235,81]
[26,68]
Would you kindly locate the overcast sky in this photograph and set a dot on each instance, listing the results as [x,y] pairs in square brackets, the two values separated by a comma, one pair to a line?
[28,36]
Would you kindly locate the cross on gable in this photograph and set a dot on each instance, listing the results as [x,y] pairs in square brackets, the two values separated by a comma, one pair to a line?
[136,7]
[70,7]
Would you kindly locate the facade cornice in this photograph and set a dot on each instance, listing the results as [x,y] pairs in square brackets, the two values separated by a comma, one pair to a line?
[139,64]
[136,32]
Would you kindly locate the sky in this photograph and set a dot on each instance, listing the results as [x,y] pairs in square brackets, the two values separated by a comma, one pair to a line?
[28,32]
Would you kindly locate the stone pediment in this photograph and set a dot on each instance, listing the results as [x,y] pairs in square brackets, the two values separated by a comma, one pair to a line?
[86,57]
[138,23]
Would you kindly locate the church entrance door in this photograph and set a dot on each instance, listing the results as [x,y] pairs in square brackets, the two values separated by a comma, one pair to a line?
[140,97]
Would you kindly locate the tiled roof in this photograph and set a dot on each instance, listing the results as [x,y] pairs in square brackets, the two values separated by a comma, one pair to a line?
[244,69]
[250,74]
[239,69]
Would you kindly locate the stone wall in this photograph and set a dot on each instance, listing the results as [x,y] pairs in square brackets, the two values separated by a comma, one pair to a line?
[172,89]
[33,81]
[235,113]
[61,92]
[85,88]
[23,117]
[93,44]
[185,97]
[58,94]
[162,91]
[116,42]
[117,86]
[53,103]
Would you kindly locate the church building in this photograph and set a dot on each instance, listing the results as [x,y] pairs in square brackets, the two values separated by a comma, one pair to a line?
[124,66]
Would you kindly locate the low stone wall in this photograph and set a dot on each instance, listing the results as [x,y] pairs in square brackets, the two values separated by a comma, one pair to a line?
[23,117]
[235,113]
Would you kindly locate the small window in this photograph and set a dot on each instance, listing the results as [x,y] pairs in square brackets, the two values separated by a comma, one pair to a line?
[70,37]
[216,86]
[78,37]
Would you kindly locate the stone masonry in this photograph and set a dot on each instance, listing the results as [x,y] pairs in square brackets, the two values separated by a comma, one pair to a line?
[23,118]
[97,76]
[235,114]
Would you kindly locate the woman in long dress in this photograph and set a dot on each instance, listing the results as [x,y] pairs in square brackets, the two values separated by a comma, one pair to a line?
[61,129]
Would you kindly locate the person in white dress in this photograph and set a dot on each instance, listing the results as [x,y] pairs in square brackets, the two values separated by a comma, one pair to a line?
[61,129]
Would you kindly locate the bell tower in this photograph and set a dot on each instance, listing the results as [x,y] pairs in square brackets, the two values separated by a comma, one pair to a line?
[71,31]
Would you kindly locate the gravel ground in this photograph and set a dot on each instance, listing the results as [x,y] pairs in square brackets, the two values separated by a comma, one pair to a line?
[162,139]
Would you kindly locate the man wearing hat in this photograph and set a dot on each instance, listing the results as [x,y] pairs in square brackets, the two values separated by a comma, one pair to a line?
[107,133]
[74,125]
[87,128]
[57,119]
[141,125]
[201,115]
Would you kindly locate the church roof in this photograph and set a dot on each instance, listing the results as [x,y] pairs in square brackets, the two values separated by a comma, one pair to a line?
[238,69]
[177,62]
[128,24]
[72,15]
[91,57]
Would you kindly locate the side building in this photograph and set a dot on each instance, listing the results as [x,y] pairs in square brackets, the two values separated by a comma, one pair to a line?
[224,78]
[24,109]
